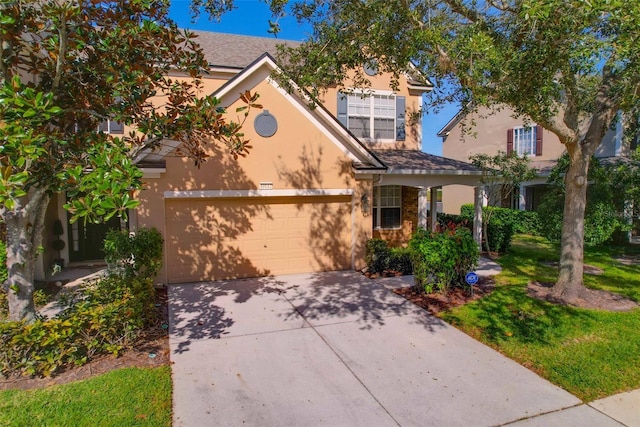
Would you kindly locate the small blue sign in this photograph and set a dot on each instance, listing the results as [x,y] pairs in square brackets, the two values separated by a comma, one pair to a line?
[471,278]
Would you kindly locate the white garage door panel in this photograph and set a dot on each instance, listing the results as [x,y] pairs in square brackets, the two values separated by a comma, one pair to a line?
[213,239]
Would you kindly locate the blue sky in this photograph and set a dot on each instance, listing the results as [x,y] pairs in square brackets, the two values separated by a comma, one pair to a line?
[251,18]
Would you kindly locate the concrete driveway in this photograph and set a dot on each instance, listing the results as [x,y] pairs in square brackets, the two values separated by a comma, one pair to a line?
[338,349]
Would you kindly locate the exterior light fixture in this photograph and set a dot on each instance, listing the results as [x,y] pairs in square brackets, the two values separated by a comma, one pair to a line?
[365,204]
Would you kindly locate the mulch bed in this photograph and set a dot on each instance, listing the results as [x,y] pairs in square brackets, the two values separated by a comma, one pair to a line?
[439,302]
[590,299]
[151,350]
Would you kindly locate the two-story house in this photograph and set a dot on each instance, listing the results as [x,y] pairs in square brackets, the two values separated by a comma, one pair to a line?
[490,132]
[319,181]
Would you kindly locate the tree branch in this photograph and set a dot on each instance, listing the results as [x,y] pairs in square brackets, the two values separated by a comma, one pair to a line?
[62,52]
[605,111]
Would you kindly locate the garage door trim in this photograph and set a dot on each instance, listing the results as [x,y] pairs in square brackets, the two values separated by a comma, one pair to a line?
[212,194]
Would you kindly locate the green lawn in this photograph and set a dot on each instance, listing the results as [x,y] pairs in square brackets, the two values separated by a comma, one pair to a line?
[589,353]
[125,397]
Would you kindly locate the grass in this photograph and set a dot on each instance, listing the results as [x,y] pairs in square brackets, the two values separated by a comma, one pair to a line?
[125,397]
[590,353]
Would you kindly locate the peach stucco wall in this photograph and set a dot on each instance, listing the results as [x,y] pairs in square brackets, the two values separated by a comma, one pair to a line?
[298,156]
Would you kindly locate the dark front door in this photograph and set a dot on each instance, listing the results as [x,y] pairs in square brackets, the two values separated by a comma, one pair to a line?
[87,240]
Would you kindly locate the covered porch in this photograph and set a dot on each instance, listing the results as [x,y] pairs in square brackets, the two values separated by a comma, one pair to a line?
[406,195]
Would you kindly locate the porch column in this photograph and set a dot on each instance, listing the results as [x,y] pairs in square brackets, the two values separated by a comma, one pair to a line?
[479,197]
[522,198]
[434,208]
[422,208]
[628,217]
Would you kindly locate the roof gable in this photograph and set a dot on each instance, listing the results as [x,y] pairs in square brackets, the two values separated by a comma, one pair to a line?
[261,70]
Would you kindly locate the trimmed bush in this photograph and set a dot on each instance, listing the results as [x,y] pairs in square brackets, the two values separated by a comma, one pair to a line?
[500,234]
[442,259]
[134,254]
[501,226]
[400,260]
[445,220]
[523,222]
[380,258]
[377,256]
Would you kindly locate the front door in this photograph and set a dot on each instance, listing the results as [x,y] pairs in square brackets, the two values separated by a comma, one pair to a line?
[87,240]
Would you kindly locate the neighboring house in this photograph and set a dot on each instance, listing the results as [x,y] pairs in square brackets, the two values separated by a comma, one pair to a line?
[489,132]
[316,185]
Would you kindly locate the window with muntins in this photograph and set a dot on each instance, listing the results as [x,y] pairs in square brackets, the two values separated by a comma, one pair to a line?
[387,203]
[372,116]
[524,141]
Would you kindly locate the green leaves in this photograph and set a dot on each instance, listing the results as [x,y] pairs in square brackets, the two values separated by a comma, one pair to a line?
[105,186]
[67,67]
[23,110]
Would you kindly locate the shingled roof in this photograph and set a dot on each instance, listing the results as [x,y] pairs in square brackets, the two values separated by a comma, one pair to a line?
[418,161]
[231,50]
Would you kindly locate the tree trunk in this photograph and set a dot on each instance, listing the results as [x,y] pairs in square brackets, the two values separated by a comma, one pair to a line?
[570,285]
[25,226]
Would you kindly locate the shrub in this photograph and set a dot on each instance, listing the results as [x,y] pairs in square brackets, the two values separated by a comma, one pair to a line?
[103,317]
[442,259]
[500,234]
[377,256]
[523,222]
[400,260]
[129,254]
[501,225]
[445,220]
[381,258]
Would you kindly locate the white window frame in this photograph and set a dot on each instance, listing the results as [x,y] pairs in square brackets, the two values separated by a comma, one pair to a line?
[365,102]
[523,139]
[379,205]
[107,125]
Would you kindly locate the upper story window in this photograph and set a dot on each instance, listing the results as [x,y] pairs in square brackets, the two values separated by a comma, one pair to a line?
[387,207]
[112,127]
[377,116]
[525,141]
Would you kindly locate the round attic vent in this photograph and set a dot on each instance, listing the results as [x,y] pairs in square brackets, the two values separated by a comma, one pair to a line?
[265,124]
[371,67]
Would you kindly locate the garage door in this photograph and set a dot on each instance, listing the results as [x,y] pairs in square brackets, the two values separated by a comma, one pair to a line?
[225,238]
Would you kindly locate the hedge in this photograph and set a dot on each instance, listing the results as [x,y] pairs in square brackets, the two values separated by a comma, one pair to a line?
[523,222]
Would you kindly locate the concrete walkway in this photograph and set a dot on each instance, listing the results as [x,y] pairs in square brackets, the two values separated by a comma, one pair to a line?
[338,349]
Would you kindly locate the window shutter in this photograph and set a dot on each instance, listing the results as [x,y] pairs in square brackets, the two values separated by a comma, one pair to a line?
[103,126]
[400,118]
[342,109]
[538,140]
[509,141]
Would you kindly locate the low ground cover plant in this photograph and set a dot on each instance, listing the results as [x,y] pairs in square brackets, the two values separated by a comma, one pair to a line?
[104,316]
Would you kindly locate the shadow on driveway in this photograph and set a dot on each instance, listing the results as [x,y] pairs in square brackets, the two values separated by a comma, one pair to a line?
[213,310]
